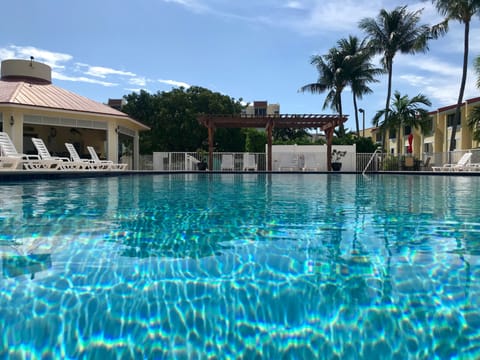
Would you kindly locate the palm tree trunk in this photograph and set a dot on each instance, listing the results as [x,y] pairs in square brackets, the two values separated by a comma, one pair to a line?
[399,139]
[462,86]
[356,114]
[341,131]
[389,92]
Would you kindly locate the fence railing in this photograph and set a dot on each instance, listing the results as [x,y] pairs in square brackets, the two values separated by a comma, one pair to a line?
[232,161]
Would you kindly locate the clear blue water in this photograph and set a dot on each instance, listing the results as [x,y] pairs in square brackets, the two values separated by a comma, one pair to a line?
[255,266]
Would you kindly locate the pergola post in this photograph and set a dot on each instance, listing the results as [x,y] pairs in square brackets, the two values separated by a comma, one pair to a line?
[211,131]
[269,144]
[329,135]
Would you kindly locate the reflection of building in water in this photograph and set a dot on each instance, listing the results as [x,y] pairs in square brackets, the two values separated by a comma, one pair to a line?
[18,265]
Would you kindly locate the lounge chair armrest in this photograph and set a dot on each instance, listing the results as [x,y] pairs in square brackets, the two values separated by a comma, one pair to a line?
[30,157]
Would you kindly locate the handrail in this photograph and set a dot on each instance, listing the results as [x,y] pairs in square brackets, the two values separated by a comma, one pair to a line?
[379,149]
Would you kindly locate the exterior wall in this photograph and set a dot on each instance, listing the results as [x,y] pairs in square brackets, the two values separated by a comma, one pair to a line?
[26,68]
[439,139]
[54,127]
[271,109]
[310,157]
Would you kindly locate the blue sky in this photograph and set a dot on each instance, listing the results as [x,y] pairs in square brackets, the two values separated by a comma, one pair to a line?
[249,49]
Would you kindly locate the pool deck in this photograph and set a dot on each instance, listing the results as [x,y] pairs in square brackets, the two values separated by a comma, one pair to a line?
[22,175]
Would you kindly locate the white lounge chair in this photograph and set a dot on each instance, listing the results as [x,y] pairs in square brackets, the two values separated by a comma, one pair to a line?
[249,163]
[311,163]
[227,163]
[89,163]
[8,161]
[11,158]
[63,163]
[104,164]
[461,165]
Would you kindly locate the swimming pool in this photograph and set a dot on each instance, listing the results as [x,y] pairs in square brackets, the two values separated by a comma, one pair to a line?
[267,266]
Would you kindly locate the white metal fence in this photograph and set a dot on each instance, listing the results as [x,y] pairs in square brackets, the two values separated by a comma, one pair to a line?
[231,161]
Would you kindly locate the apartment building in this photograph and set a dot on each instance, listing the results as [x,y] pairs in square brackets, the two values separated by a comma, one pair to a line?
[262,108]
[436,137]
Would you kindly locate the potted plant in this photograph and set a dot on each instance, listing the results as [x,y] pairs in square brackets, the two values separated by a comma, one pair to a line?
[202,157]
[337,155]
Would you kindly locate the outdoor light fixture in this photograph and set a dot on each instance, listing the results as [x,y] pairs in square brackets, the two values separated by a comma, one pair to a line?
[362,111]
[12,120]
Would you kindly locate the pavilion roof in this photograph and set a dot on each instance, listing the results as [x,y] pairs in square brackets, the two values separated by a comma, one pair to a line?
[298,121]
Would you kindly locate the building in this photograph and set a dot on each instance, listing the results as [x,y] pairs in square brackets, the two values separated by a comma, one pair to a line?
[262,108]
[436,137]
[31,106]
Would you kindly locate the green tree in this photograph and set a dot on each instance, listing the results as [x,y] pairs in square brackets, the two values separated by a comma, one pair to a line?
[288,134]
[393,32]
[172,117]
[462,11]
[332,78]
[403,112]
[255,140]
[359,70]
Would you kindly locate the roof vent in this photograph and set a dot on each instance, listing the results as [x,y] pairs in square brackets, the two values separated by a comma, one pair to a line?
[27,70]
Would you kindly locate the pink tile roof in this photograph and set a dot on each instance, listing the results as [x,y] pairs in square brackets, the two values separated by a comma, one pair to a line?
[21,92]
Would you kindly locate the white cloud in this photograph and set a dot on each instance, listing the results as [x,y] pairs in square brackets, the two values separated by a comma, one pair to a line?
[60,76]
[294,5]
[53,59]
[175,83]
[140,81]
[103,72]
[428,63]
[193,5]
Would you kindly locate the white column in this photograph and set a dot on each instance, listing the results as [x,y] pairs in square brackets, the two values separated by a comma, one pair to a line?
[112,142]
[136,151]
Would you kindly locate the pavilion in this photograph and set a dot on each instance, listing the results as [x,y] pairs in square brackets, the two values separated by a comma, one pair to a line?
[326,123]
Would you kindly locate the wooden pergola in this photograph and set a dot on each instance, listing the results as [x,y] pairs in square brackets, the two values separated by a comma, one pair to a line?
[326,123]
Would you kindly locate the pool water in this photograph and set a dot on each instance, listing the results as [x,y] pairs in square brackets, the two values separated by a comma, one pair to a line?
[231,266]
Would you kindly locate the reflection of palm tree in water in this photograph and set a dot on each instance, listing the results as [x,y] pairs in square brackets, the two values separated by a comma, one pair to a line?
[349,271]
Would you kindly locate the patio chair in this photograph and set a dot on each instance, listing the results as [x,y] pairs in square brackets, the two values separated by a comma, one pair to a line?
[11,159]
[249,163]
[311,163]
[461,165]
[227,163]
[89,163]
[63,163]
[426,165]
[104,164]
[8,161]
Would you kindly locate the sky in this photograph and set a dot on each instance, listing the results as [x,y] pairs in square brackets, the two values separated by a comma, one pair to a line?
[250,49]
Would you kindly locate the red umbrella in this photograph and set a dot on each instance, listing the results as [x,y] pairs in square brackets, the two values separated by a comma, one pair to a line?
[410,140]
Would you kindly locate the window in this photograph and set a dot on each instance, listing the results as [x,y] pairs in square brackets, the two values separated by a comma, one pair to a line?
[428,148]
[260,111]
[378,138]
[407,130]
[392,134]
[450,120]
[428,127]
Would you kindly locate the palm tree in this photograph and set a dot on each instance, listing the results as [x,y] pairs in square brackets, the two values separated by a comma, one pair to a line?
[331,78]
[360,71]
[392,32]
[462,11]
[403,112]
